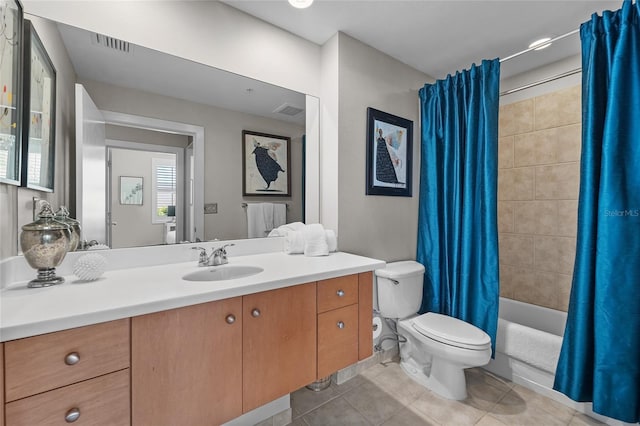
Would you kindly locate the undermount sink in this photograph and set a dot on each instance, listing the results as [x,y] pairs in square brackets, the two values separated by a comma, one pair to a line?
[221,273]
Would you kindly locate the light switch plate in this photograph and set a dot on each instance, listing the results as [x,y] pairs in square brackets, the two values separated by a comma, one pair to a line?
[211,208]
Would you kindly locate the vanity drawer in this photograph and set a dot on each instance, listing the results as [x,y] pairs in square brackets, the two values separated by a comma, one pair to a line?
[100,401]
[337,339]
[41,363]
[337,292]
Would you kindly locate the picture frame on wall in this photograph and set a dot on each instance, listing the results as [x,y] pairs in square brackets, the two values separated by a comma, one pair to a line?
[39,114]
[389,154]
[11,40]
[266,165]
[131,190]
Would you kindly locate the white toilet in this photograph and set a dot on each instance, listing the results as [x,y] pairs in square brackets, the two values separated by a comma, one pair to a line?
[438,347]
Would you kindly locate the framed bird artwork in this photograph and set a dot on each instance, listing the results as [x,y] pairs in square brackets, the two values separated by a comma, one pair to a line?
[266,164]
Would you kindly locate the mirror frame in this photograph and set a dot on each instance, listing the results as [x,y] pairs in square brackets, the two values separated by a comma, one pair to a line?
[33,48]
[15,105]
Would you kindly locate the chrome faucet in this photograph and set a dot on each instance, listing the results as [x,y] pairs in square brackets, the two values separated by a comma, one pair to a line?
[216,258]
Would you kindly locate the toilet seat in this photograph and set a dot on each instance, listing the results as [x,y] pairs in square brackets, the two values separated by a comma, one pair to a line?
[451,331]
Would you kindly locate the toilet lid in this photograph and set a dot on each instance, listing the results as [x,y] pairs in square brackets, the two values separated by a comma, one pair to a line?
[451,331]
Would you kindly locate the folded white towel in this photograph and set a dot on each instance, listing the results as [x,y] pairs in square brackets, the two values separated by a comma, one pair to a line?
[332,240]
[282,231]
[315,240]
[526,344]
[294,242]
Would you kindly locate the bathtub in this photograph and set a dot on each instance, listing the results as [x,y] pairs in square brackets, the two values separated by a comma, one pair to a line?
[541,329]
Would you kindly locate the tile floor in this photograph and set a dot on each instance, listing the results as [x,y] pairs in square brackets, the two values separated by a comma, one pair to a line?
[384,395]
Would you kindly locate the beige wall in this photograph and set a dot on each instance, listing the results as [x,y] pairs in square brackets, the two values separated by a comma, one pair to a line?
[130,134]
[378,226]
[538,183]
[223,151]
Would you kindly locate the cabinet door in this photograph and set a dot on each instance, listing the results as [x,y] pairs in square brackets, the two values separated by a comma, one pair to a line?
[337,339]
[1,384]
[186,365]
[100,401]
[279,339]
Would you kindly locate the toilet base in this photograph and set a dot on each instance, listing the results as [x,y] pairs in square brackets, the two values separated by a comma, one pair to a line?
[444,378]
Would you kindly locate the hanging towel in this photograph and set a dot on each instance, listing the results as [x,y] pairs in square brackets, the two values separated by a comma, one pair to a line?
[267,211]
[279,215]
[315,241]
[256,227]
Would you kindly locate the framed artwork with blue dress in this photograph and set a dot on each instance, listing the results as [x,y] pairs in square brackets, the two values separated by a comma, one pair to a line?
[389,154]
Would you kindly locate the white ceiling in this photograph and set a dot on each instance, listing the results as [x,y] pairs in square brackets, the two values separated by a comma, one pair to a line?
[155,72]
[439,37]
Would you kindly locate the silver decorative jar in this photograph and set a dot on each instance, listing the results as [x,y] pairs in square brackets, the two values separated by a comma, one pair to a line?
[62,216]
[44,244]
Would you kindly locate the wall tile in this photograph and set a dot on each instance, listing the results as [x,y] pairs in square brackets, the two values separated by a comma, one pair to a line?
[516,184]
[555,254]
[557,109]
[543,292]
[557,182]
[515,280]
[505,152]
[535,148]
[569,143]
[536,217]
[516,250]
[505,216]
[567,217]
[516,118]
[563,287]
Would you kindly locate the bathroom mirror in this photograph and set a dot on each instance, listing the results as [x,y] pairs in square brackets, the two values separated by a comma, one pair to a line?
[133,86]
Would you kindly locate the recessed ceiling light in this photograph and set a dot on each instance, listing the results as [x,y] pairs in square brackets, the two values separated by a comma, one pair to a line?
[543,43]
[300,4]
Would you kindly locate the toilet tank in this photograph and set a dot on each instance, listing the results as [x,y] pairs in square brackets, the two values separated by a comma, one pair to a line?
[399,289]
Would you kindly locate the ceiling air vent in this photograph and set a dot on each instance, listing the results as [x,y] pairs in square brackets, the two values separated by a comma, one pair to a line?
[111,43]
[289,110]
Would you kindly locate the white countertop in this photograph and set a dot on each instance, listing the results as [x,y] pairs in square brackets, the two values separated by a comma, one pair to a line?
[129,292]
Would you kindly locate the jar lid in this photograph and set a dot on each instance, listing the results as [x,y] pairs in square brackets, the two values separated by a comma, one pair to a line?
[63,215]
[45,222]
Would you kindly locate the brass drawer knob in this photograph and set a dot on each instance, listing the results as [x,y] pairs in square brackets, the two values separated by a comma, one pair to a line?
[72,358]
[72,415]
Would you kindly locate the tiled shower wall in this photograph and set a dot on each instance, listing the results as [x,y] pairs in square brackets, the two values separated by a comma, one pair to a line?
[538,184]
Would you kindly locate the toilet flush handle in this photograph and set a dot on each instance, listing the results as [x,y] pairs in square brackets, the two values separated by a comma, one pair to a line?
[396,282]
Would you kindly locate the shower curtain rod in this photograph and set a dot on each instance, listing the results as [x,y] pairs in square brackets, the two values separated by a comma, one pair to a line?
[544,80]
[515,55]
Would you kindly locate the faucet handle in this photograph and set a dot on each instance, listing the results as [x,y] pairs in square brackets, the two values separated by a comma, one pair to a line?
[202,261]
[223,248]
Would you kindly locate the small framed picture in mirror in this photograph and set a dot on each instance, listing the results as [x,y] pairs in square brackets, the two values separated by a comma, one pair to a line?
[131,190]
[39,114]
[11,91]
[266,164]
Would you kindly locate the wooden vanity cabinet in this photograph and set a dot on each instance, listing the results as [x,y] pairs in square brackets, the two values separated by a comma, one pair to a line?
[279,343]
[186,365]
[73,375]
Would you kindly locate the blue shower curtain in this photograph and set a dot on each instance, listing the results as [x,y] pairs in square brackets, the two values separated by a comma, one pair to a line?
[600,357]
[457,222]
